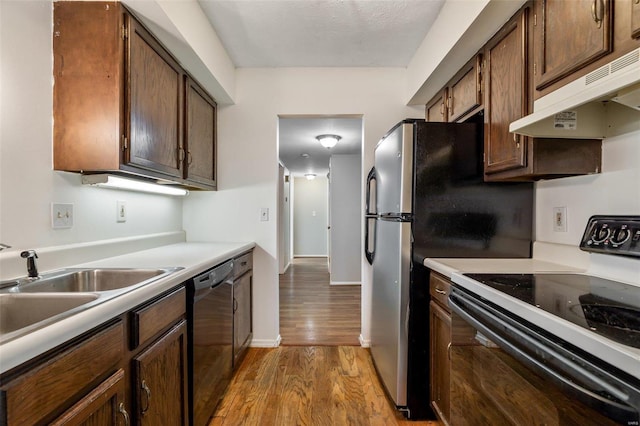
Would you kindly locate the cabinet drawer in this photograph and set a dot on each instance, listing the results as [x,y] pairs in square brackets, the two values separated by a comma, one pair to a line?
[440,287]
[242,264]
[151,319]
[37,395]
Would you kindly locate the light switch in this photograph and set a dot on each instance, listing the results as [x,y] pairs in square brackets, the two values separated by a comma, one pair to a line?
[61,215]
[121,211]
[264,214]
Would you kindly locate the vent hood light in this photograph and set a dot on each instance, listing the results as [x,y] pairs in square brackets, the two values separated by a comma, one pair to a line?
[579,109]
[117,182]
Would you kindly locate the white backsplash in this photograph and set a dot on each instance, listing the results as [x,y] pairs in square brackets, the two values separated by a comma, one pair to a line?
[615,191]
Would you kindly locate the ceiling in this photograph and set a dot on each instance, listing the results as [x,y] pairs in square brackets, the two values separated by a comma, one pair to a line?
[320,33]
[297,136]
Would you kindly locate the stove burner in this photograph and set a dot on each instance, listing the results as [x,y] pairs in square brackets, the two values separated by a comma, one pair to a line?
[606,307]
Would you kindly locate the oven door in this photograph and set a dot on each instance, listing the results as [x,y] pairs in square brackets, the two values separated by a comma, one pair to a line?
[517,374]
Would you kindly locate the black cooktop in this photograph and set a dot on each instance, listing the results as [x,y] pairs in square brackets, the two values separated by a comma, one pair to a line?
[606,307]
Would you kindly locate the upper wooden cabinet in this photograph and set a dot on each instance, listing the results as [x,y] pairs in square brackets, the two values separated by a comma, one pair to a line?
[436,109]
[635,18]
[461,97]
[574,38]
[570,35]
[465,90]
[123,104]
[153,93]
[506,79]
[200,135]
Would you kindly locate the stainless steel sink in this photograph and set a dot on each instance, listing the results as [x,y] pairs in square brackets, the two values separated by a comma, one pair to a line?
[88,280]
[28,304]
[18,311]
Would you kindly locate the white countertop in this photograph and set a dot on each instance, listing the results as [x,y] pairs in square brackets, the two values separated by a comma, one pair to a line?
[621,356]
[193,257]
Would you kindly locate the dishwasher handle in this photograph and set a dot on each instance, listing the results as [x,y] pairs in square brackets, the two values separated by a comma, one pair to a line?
[205,282]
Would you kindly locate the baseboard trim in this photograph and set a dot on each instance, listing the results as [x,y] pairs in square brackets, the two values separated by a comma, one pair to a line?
[345,283]
[364,343]
[266,343]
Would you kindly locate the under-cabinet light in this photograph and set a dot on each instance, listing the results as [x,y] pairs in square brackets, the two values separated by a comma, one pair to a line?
[117,182]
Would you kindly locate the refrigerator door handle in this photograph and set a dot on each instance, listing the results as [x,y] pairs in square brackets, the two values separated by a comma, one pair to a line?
[370,177]
[370,254]
[369,215]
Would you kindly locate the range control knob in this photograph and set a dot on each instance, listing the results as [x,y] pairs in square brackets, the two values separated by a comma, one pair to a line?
[620,236]
[601,234]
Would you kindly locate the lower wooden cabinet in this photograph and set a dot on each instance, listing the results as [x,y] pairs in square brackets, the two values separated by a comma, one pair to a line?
[161,380]
[105,405]
[67,376]
[440,344]
[635,19]
[99,379]
[440,328]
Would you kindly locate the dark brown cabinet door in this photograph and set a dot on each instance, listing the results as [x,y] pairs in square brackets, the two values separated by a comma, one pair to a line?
[440,325]
[102,406]
[242,321]
[506,95]
[200,135]
[635,18]
[570,35]
[465,92]
[161,380]
[436,110]
[154,104]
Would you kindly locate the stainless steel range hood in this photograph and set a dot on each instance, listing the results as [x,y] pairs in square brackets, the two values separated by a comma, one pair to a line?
[591,106]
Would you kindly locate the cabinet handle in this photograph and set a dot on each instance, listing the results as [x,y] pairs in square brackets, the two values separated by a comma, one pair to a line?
[451,104]
[235,305]
[636,1]
[124,413]
[190,158]
[148,392]
[180,154]
[597,12]
[516,139]
[440,291]
[243,263]
[449,351]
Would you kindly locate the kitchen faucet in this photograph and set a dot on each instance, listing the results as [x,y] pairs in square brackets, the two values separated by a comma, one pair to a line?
[31,256]
[4,246]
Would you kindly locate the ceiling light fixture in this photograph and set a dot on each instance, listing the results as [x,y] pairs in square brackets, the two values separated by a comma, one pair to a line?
[310,176]
[328,141]
[117,182]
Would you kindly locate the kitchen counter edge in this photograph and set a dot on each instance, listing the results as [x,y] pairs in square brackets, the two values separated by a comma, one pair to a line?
[194,257]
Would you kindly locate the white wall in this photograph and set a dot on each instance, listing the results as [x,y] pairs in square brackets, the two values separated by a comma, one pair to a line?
[345,234]
[28,184]
[615,191]
[310,216]
[248,162]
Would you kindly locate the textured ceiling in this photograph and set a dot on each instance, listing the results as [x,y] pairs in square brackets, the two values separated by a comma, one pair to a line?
[321,33]
[297,136]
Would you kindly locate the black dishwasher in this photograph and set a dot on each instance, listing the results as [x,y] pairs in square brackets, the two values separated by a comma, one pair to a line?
[210,334]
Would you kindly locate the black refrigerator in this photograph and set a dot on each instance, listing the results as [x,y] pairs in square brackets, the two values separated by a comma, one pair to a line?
[426,197]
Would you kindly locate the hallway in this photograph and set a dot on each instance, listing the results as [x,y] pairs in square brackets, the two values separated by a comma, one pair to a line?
[312,312]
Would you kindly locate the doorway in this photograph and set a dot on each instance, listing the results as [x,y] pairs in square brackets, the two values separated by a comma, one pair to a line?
[319,208]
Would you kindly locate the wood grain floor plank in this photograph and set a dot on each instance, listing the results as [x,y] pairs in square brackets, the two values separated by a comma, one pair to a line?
[313,312]
[320,375]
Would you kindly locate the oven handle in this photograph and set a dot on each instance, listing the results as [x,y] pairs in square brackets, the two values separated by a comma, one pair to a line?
[527,359]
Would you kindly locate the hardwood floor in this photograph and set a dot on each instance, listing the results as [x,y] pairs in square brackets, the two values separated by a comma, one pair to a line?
[312,312]
[313,385]
[320,375]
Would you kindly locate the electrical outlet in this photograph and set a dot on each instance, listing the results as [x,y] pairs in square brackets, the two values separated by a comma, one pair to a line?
[61,215]
[560,219]
[121,211]
[264,214]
